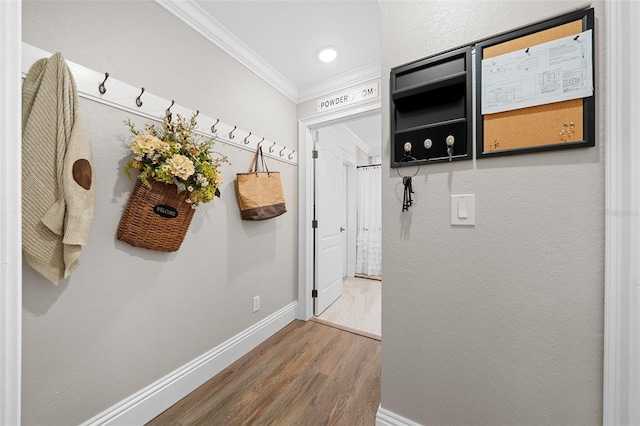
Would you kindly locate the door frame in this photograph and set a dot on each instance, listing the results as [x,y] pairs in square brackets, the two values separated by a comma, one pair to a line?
[621,375]
[306,127]
[10,212]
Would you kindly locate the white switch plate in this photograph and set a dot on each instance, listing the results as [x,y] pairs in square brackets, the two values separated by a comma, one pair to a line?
[256,303]
[463,209]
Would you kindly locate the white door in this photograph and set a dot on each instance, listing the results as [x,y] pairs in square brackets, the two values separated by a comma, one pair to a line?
[330,251]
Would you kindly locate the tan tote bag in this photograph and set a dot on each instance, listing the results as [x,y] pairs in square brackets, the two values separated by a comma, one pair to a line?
[259,193]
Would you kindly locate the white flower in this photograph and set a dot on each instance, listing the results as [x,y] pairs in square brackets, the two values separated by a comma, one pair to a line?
[145,144]
[181,166]
[202,180]
[190,188]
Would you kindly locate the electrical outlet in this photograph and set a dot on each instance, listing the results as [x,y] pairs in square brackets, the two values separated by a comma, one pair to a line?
[256,303]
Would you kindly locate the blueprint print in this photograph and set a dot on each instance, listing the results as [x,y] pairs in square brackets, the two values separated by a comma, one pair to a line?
[555,71]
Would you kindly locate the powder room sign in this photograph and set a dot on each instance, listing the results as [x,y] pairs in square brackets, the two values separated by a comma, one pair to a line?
[350,96]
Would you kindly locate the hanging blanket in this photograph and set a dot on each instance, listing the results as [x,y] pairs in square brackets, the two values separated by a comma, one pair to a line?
[58,181]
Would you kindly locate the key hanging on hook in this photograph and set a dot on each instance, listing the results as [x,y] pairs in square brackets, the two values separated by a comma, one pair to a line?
[408,190]
[450,141]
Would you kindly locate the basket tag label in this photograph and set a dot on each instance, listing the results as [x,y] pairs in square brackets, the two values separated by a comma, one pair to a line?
[165,211]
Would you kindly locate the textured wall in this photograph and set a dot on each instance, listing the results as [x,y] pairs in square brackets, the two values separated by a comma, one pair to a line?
[501,323]
[127,316]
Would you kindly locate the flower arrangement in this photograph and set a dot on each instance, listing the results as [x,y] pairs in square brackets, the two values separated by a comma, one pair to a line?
[173,153]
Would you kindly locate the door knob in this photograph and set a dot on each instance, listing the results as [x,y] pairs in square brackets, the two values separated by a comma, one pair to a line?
[341,229]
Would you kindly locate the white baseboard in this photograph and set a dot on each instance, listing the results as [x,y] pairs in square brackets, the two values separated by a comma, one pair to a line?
[146,404]
[389,418]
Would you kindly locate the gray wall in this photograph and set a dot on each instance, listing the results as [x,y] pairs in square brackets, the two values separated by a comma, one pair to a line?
[501,323]
[128,316]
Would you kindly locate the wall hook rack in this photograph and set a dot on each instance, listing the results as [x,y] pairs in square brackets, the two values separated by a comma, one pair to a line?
[121,95]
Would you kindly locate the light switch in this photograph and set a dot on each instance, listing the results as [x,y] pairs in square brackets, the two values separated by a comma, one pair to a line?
[463,209]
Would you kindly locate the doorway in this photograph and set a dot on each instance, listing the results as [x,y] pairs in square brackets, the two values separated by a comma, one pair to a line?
[341,125]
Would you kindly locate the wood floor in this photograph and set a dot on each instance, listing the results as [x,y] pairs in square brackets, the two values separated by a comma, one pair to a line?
[306,374]
[359,308]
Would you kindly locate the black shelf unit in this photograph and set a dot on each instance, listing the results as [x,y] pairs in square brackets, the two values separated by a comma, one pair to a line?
[431,99]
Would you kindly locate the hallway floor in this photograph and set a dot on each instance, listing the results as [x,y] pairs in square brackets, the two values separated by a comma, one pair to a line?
[359,308]
[306,374]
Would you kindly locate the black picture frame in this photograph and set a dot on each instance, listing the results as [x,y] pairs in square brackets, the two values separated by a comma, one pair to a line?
[586,16]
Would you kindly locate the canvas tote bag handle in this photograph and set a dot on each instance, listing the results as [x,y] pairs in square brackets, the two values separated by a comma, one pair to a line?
[253,168]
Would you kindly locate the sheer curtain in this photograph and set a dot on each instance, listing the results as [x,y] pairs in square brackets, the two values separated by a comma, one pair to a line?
[369,235]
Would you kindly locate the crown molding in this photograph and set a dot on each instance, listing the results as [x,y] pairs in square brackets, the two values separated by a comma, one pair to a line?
[194,16]
[342,81]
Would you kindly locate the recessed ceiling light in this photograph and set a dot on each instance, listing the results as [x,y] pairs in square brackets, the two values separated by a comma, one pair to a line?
[328,54]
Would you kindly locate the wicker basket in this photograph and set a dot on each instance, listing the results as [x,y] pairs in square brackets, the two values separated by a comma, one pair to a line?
[156,218]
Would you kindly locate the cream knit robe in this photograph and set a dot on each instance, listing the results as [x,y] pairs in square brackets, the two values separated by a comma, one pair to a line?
[58,181]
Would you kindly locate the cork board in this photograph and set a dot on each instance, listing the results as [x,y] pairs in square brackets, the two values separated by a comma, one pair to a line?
[550,126]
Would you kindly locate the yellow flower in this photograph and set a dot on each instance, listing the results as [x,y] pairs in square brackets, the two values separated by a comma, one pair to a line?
[181,166]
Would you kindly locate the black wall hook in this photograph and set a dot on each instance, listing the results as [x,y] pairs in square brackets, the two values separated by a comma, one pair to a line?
[246,140]
[282,151]
[231,136]
[291,155]
[101,88]
[213,128]
[168,112]
[197,112]
[138,101]
[271,147]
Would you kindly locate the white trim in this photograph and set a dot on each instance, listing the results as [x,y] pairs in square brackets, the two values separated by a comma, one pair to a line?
[193,15]
[157,397]
[10,213]
[389,418]
[621,380]
[305,196]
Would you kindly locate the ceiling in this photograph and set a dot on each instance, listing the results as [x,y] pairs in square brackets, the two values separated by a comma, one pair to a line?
[279,40]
